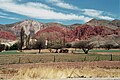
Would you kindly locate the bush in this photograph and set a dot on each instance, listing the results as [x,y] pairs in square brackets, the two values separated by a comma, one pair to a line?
[84,45]
[2,47]
[56,46]
[15,46]
[108,46]
[40,44]
[63,51]
[68,45]
[7,48]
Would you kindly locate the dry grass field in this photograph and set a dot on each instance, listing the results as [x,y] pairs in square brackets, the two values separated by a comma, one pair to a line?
[59,70]
[43,57]
[29,65]
[59,73]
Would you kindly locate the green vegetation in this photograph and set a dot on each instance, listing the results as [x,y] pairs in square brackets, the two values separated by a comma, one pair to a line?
[22,32]
[115,50]
[57,47]
[40,44]
[2,47]
[98,50]
[84,45]
[10,52]
[15,46]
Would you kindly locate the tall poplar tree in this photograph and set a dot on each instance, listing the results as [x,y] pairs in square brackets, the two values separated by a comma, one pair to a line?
[21,38]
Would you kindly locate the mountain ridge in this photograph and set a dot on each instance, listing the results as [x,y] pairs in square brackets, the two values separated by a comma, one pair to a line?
[32,28]
[114,24]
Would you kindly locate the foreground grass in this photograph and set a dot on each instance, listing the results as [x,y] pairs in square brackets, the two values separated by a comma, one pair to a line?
[59,73]
[38,71]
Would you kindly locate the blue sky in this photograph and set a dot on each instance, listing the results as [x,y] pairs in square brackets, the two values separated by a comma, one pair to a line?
[61,11]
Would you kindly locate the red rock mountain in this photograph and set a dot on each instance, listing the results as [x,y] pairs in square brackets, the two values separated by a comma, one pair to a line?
[55,33]
[117,31]
[58,31]
[7,35]
[84,32]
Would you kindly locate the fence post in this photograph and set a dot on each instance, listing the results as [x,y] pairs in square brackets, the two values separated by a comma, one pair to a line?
[85,58]
[54,58]
[111,57]
[19,59]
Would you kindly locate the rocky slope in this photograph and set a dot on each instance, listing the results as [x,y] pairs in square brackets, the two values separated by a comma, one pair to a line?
[115,23]
[7,35]
[110,24]
[59,31]
[99,34]
[30,27]
[53,33]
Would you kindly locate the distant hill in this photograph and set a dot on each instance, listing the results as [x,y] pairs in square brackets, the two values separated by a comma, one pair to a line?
[7,35]
[51,24]
[115,23]
[2,27]
[53,33]
[84,32]
[30,27]
[110,24]
[71,33]
[73,26]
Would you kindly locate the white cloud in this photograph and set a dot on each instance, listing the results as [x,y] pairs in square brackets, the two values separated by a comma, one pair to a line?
[6,1]
[43,11]
[89,12]
[62,4]
[9,18]
[39,12]
[38,5]
[96,14]
[59,22]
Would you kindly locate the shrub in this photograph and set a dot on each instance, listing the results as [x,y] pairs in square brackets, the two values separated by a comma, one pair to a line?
[84,45]
[68,45]
[40,44]
[7,48]
[2,47]
[108,46]
[15,46]
[63,51]
[56,46]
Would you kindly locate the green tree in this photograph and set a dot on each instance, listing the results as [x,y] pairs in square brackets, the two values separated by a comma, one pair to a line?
[15,46]
[68,45]
[57,47]
[7,48]
[28,41]
[40,44]
[21,38]
[108,46]
[84,45]
[2,47]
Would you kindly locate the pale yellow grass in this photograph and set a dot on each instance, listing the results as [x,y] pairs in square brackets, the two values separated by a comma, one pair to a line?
[60,73]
